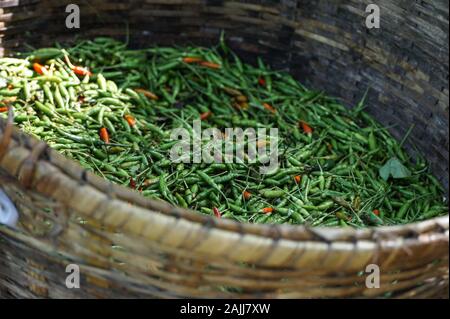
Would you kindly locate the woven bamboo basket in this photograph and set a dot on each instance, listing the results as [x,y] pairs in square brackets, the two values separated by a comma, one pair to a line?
[127,246]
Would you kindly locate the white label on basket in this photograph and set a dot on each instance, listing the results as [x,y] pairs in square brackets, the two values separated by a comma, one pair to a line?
[73,19]
[373,19]
[73,280]
[8,212]
[373,277]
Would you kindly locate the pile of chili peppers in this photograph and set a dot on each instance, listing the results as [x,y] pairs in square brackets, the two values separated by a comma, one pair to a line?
[112,109]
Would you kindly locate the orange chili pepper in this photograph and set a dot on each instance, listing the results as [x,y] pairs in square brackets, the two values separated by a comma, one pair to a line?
[40,69]
[246,195]
[3,109]
[210,65]
[104,135]
[191,59]
[267,210]
[269,107]
[130,119]
[205,116]
[376,212]
[306,128]
[148,94]
[217,213]
[79,70]
[298,178]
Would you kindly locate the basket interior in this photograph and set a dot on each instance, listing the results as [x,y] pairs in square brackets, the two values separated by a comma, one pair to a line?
[324,44]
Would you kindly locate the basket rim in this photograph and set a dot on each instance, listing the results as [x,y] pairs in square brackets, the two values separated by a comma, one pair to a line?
[284,231]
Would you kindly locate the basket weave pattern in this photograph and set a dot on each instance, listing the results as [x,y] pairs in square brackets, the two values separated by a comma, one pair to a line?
[128,246]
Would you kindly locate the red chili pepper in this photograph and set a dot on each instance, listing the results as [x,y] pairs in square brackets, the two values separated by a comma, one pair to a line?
[130,120]
[104,135]
[269,107]
[376,212]
[132,183]
[261,81]
[267,210]
[246,195]
[191,59]
[40,69]
[306,128]
[210,65]
[3,109]
[79,70]
[148,94]
[217,213]
[298,178]
[205,116]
